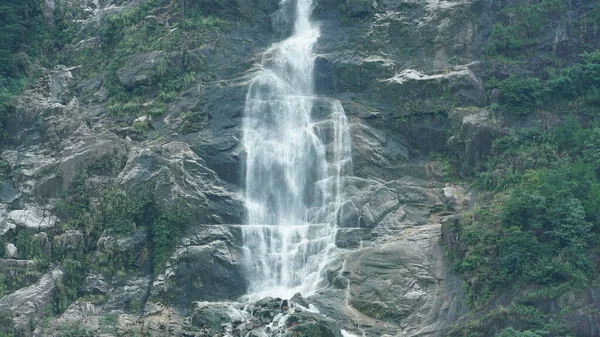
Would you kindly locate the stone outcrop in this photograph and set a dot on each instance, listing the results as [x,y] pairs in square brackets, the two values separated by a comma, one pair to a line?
[27,306]
[410,78]
[475,132]
[176,175]
[207,266]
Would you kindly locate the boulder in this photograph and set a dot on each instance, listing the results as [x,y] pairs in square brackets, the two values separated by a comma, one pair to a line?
[310,324]
[176,175]
[41,244]
[348,215]
[352,237]
[27,306]
[71,241]
[58,82]
[32,218]
[95,284]
[210,314]
[128,295]
[11,251]
[8,192]
[206,267]
[473,137]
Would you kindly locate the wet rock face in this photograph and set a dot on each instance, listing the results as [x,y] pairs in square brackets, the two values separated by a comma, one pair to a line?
[177,175]
[266,317]
[405,282]
[408,77]
[208,266]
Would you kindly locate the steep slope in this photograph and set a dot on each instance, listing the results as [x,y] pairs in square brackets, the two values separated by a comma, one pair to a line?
[472,125]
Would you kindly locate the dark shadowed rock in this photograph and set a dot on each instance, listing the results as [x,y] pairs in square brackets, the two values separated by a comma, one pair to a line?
[208,266]
[472,140]
[180,178]
[210,315]
[310,324]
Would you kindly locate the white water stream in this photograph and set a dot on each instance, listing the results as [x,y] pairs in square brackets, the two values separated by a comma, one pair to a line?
[294,167]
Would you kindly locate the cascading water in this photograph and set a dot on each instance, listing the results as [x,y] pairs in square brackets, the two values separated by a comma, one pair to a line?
[294,167]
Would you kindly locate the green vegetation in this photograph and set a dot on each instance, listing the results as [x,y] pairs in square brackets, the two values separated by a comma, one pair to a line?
[23,29]
[536,231]
[570,89]
[26,41]
[520,26]
[108,211]
[142,29]
[74,330]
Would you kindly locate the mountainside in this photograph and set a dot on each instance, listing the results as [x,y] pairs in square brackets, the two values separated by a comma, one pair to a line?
[473,207]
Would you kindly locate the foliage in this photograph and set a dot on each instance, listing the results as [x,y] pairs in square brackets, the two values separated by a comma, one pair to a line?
[108,324]
[140,29]
[65,291]
[573,87]
[23,28]
[165,232]
[520,27]
[74,330]
[9,87]
[540,225]
[521,94]
[510,332]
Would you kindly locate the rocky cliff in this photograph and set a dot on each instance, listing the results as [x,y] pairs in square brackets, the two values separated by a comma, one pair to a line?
[121,185]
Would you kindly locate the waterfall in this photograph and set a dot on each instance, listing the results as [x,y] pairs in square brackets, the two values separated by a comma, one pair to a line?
[295,162]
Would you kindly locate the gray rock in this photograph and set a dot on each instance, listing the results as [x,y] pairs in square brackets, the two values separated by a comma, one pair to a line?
[11,251]
[143,69]
[28,305]
[406,282]
[101,95]
[210,315]
[415,92]
[80,314]
[5,226]
[58,82]
[310,324]
[340,282]
[297,298]
[8,193]
[72,241]
[95,284]
[204,268]
[348,215]
[12,267]
[376,152]
[472,141]
[106,149]
[496,96]
[91,84]
[41,243]
[32,218]
[351,237]
[128,296]
[19,273]
[181,178]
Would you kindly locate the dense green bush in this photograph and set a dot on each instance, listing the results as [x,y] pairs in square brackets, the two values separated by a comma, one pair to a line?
[521,94]
[571,88]
[540,225]
[520,27]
